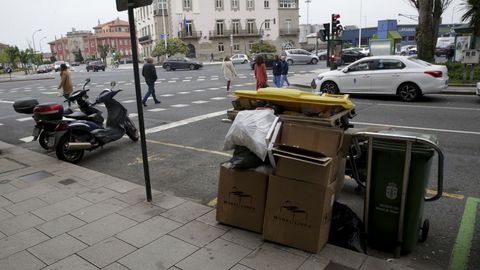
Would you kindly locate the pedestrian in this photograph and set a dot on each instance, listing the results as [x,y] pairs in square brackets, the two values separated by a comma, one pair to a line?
[450,53]
[150,74]
[228,71]
[284,65]
[277,71]
[260,72]
[65,82]
[211,57]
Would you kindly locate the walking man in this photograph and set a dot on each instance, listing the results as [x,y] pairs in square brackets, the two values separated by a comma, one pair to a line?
[284,65]
[277,71]
[150,75]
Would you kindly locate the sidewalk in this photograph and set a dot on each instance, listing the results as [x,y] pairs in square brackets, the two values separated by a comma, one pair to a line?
[20,76]
[62,216]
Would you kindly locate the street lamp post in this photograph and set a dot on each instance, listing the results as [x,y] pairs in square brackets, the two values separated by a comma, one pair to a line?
[308,9]
[40,43]
[360,28]
[33,38]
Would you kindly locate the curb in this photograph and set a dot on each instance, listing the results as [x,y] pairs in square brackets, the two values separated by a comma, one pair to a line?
[24,80]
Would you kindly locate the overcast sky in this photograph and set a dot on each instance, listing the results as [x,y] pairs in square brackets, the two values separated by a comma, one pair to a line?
[21,18]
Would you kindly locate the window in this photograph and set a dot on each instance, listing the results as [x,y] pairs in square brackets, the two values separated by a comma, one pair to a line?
[266,4]
[390,64]
[235,27]
[267,24]
[188,29]
[235,4]
[236,47]
[187,4]
[250,4]
[219,28]
[221,48]
[287,4]
[250,26]
[362,66]
[218,4]
[288,25]
[250,45]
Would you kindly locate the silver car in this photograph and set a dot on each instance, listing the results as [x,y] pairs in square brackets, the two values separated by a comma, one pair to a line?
[239,59]
[296,56]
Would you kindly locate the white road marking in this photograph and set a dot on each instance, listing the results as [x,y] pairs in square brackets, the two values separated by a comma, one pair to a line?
[1,124]
[213,88]
[24,119]
[167,95]
[172,81]
[158,79]
[121,82]
[214,79]
[199,90]
[179,105]
[132,115]
[238,85]
[186,80]
[31,90]
[241,74]
[199,80]
[242,77]
[183,93]
[218,98]
[214,76]
[430,107]
[200,102]
[27,139]
[49,93]
[129,101]
[174,78]
[185,122]
[27,88]
[201,76]
[250,83]
[16,88]
[13,91]
[128,84]
[420,128]
[6,101]
[157,110]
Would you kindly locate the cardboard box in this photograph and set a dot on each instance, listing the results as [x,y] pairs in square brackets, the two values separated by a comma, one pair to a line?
[304,166]
[241,198]
[298,214]
[325,140]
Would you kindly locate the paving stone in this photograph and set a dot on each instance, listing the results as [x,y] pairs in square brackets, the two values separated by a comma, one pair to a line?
[174,268]
[166,201]
[289,249]
[21,261]
[57,248]
[102,228]
[106,252]
[4,214]
[61,208]
[379,264]
[219,254]
[64,192]
[211,219]
[96,182]
[7,188]
[30,192]
[116,266]
[25,206]
[122,186]
[9,165]
[60,225]
[197,233]
[20,241]
[160,254]
[141,211]
[148,231]
[340,255]
[135,196]
[244,238]
[98,195]
[240,267]
[99,210]
[186,212]
[35,177]
[267,257]
[71,263]
[20,223]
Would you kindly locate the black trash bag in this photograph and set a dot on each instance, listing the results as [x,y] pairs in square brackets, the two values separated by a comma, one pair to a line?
[243,158]
[346,229]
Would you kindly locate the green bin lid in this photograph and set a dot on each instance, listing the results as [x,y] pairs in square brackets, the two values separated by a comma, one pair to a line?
[394,145]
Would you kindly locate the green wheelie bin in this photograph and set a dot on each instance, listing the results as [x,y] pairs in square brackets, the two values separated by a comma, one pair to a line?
[398,171]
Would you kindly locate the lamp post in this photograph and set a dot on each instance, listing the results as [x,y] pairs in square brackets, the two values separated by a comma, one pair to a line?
[40,43]
[360,28]
[33,38]
[308,9]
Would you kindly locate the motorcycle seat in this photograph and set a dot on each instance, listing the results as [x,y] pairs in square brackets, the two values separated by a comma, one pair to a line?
[77,115]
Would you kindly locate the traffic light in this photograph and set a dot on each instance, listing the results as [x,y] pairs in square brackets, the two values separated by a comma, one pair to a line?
[336,27]
[324,34]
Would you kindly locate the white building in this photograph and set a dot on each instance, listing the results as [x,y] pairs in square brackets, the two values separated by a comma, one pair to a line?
[221,27]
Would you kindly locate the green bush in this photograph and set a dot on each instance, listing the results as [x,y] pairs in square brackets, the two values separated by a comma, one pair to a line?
[455,71]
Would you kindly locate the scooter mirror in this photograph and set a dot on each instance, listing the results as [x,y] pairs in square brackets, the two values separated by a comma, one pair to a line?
[113,83]
[87,80]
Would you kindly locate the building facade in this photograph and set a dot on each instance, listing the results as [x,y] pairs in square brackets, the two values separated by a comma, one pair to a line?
[219,27]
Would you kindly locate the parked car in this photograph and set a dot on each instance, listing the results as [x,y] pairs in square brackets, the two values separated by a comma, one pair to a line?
[349,56]
[405,49]
[364,50]
[57,65]
[268,57]
[44,69]
[239,59]
[179,62]
[322,55]
[406,77]
[95,66]
[300,56]
[75,64]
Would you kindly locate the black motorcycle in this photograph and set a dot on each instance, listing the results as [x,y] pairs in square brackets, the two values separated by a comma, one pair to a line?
[48,116]
[73,138]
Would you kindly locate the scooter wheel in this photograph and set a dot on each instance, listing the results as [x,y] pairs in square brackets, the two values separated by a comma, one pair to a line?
[131,130]
[72,156]
[43,140]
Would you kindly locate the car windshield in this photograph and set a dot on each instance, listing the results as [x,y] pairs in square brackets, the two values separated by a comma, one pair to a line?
[420,62]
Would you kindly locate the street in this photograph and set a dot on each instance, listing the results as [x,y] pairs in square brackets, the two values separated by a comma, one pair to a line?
[185,137]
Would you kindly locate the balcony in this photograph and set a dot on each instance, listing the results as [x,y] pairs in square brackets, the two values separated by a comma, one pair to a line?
[289,31]
[224,34]
[190,35]
[246,33]
[144,39]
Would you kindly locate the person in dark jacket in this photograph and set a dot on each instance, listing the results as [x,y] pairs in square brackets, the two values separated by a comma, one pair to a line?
[277,71]
[150,74]
[284,65]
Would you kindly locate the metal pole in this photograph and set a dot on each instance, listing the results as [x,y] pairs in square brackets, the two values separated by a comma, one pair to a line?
[308,9]
[136,75]
[360,28]
[40,44]
[164,6]
[33,38]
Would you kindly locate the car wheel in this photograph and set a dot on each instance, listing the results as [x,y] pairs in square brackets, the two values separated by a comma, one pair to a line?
[314,61]
[192,67]
[290,61]
[330,88]
[322,57]
[103,69]
[168,68]
[408,92]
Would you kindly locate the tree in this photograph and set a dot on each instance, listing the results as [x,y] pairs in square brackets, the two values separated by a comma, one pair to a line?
[103,49]
[12,55]
[263,46]
[78,56]
[429,18]
[472,15]
[26,56]
[174,46]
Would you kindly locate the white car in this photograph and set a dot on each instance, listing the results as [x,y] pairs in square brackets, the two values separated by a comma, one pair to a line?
[406,77]
[239,59]
[478,89]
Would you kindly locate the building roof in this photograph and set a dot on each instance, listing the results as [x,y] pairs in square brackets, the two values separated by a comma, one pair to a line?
[3,45]
[112,35]
[116,22]
[64,39]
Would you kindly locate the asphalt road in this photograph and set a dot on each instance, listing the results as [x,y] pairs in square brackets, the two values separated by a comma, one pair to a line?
[184,156]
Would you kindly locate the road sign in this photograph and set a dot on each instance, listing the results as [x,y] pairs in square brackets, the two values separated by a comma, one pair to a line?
[124,4]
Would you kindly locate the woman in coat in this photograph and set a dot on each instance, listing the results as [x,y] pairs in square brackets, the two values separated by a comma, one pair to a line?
[228,71]
[260,72]
[65,81]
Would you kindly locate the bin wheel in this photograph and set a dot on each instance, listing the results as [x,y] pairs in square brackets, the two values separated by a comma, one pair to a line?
[425,228]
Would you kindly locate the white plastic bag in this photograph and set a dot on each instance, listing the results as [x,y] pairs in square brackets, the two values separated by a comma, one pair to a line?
[250,129]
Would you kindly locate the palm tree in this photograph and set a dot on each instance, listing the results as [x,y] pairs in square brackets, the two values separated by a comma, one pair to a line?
[472,15]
